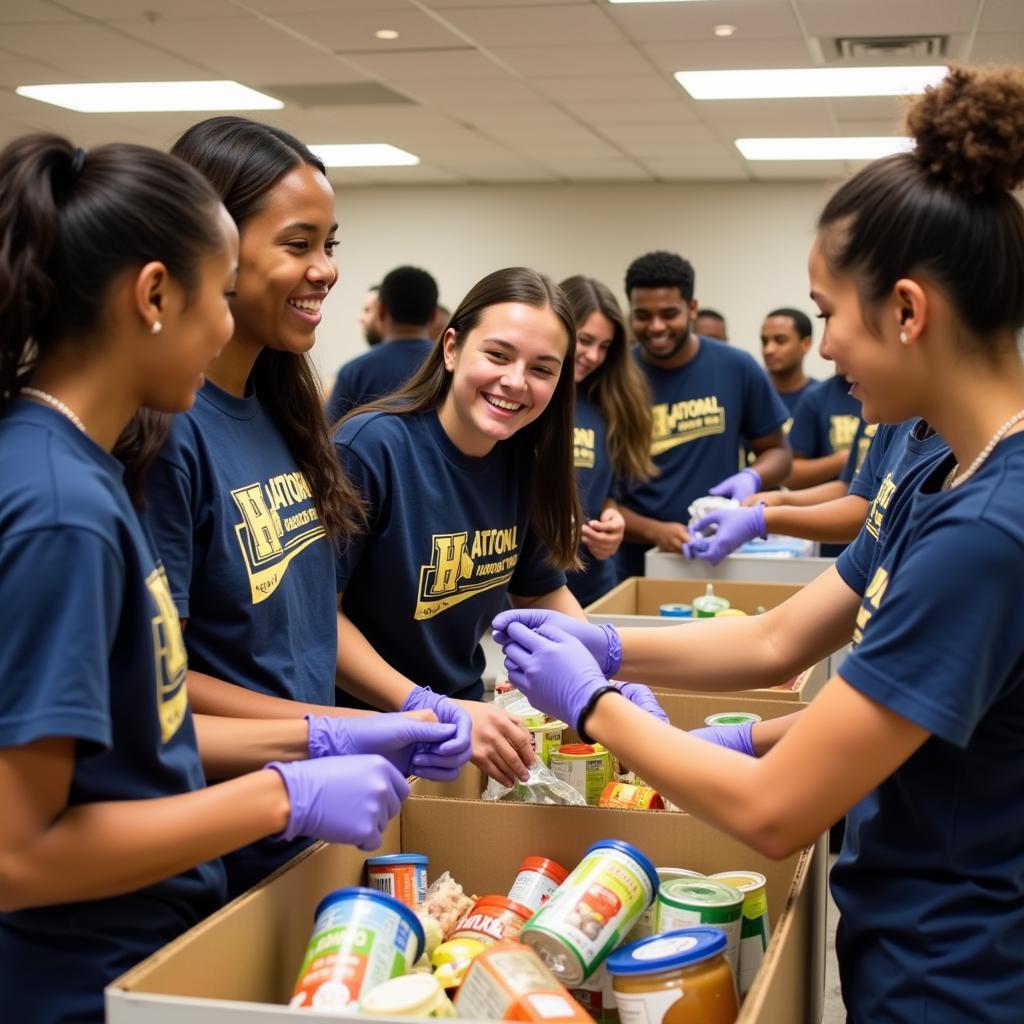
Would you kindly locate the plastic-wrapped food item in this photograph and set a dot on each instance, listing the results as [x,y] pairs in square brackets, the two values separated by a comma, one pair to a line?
[542,787]
[447,903]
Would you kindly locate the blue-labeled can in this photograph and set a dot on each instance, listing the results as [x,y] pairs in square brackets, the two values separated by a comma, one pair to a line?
[676,611]
[361,939]
[402,875]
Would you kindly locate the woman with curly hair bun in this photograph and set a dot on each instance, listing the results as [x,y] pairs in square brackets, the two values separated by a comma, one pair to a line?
[918,270]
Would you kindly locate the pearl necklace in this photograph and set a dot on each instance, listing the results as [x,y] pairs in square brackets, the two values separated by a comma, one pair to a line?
[953,480]
[55,403]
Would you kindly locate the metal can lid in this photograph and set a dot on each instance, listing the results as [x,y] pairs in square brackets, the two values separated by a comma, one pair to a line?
[744,881]
[668,951]
[503,903]
[413,995]
[397,858]
[359,892]
[630,850]
[698,892]
[731,718]
[676,611]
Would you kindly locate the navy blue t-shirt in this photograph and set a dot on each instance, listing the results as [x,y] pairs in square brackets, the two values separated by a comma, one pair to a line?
[91,650]
[703,414]
[825,420]
[594,475]
[930,883]
[249,566]
[862,444]
[791,399]
[385,368]
[448,540]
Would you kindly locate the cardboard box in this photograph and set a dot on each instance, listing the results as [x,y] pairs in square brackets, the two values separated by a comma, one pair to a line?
[240,964]
[661,565]
[635,602]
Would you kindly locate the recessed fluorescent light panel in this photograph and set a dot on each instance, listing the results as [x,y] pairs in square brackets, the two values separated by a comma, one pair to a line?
[368,154]
[864,147]
[133,97]
[798,83]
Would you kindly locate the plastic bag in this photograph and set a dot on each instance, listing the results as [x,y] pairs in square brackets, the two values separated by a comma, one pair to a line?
[542,787]
[447,903]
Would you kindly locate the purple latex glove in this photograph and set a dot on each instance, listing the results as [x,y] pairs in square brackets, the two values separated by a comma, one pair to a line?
[392,736]
[644,698]
[342,799]
[555,672]
[739,486]
[732,737]
[601,641]
[441,762]
[734,527]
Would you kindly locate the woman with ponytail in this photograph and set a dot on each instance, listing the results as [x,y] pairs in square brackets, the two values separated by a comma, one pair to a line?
[918,270]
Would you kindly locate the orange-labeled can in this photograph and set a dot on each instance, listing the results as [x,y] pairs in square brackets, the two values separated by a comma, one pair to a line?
[637,798]
[509,982]
[536,880]
[493,919]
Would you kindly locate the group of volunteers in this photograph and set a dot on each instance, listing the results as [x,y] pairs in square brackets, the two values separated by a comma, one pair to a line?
[211,592]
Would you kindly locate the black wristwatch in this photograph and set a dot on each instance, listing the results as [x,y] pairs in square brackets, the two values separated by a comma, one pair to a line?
[581,728]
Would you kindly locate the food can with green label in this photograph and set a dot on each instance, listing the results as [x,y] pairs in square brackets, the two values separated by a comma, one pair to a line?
[755,930]
[685,902]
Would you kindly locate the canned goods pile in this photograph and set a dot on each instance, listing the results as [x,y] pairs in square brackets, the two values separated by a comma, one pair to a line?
[613,939]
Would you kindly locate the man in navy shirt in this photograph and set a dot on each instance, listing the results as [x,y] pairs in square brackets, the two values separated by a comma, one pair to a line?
[785,340]
[824,427]
[708,401]
[406,307]
[711,324]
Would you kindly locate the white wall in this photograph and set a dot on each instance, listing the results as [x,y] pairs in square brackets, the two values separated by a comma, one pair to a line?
[748,243]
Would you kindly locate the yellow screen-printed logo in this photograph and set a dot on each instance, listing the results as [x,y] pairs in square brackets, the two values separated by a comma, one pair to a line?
[268,540]
[841,432]
[677,423]
[872,600]
[583,448]
[864,445]
[169,653]
[879,505]
[457,572]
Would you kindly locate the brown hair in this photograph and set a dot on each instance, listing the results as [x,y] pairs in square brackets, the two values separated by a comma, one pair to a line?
[944,209]
[555,513]
[244,160]
[617,386]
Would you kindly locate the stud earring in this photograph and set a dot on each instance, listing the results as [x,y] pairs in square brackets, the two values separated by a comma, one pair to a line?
[904,340]
[156,328]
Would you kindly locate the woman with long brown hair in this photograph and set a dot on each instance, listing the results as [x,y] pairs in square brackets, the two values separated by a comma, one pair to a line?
[612,435]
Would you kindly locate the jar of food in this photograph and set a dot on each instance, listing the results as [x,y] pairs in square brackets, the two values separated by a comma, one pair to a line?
[680,977]
[493,919]
[414,995]
[536,880]
[709,604]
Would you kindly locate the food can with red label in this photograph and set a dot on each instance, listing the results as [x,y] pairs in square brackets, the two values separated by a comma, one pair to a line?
[535,882]
[493,919]
[593,910]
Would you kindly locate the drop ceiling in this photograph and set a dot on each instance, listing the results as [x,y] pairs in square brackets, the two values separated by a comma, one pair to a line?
[487,91]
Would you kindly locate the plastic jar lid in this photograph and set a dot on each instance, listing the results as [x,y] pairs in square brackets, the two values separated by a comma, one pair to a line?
[698,892]
[504,903]
[358,892]
[668,951]
[397,858]
[578,749]
[632,851]
[411,995]
[543,866]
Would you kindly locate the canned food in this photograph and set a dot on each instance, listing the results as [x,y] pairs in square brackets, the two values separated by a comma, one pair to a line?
[731,718]
[402,875]
[755,931]
[536,880]
[681,977]
[509,982]
[546,737]
[637,798]
[597,997]
[592,910]
[685,902]
[493,919]
[709,604]
[588,769]
[414,995]
[647,925]
[676,611]
[361,939]
[730,613]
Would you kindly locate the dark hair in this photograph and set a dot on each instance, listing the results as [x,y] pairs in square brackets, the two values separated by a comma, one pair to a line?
[409,295]
[712,314]
[801,321]
[555,513]
[661,270]
[244,160]
[943,210]
[71,222]
[617,386]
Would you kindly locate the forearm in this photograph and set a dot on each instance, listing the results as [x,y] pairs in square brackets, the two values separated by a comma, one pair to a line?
[560,600]
[105,849]
[766,734]
[364,674]
[639,529]
[233,746]
[773,465]
[210,696]
[811,472]
[808,496]
[835,522]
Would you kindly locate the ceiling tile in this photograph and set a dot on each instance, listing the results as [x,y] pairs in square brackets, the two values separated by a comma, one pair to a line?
[620,169]
[761,19]
[722,54]
[550,25]
[14,11]
[697,170]
[152,10]
[354,31]
[1002,16]
[54,43]
[1004,47]
[615,60]
[647,87]
[489,91]
[436,66]
[791,170]
[496,118]
[275,7]
[830,18]
[869,108]
[446,5]
[670,112]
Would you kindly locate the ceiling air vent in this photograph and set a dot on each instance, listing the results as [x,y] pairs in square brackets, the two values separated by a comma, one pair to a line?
[875,47]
